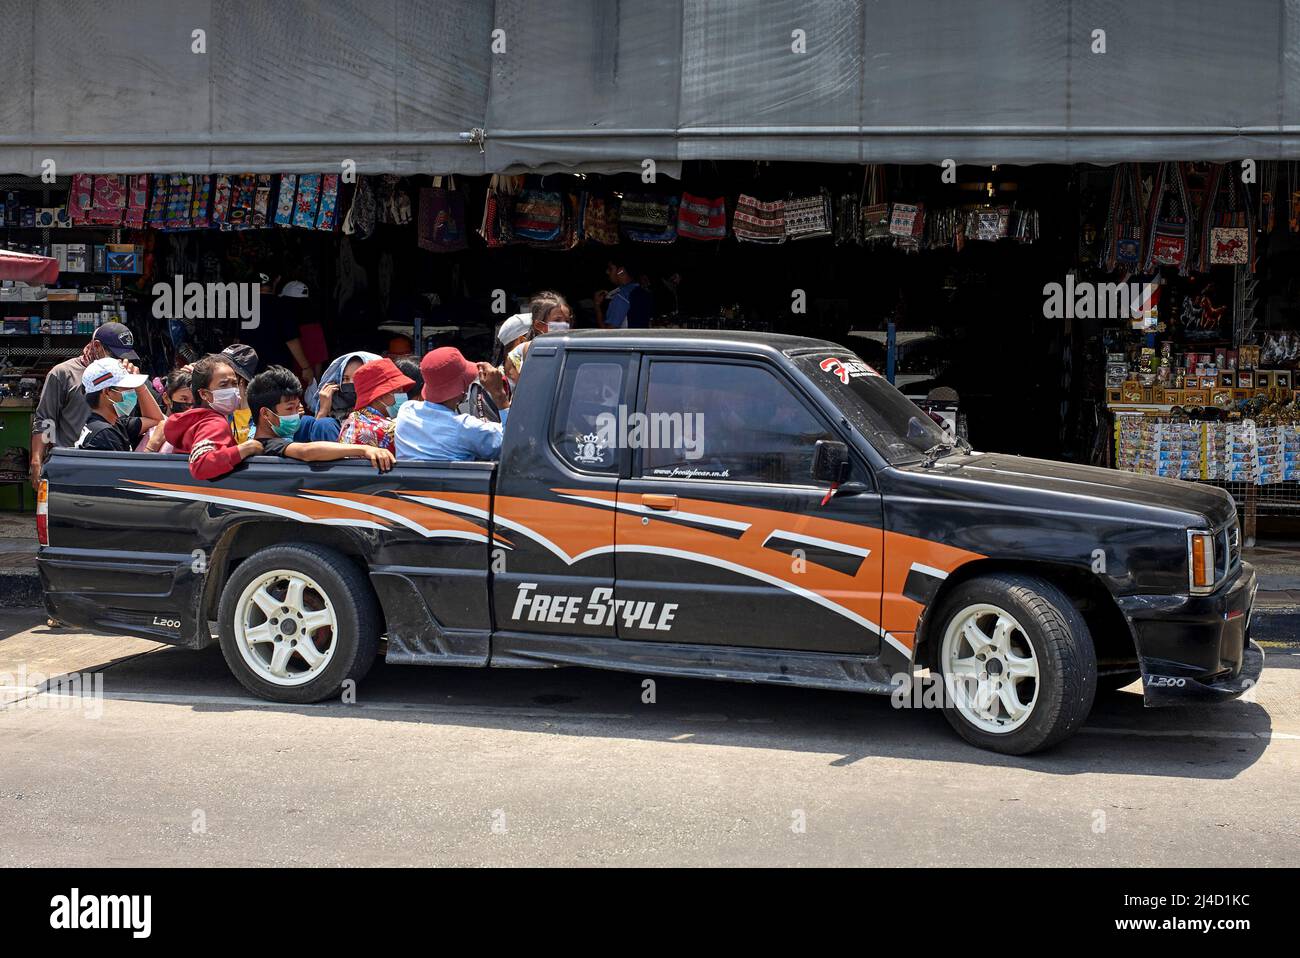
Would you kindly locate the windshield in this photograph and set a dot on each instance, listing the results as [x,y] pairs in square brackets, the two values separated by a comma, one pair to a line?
[898,428]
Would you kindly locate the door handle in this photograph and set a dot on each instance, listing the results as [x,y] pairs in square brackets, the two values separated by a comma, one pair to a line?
[663,503]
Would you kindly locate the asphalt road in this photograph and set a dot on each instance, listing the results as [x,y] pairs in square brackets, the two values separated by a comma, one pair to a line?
[178,766]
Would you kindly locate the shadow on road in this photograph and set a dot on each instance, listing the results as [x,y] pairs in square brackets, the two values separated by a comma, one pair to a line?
[1121,737]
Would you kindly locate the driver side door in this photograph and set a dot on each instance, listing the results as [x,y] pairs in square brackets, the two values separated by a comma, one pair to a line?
[723,537]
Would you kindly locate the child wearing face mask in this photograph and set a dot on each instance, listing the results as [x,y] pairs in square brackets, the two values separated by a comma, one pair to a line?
[203,432]
[381,389]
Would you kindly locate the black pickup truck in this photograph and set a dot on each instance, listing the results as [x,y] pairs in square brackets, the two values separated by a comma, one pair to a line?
[719,505]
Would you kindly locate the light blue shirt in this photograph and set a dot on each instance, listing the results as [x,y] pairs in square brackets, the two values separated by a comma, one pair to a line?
[427,430]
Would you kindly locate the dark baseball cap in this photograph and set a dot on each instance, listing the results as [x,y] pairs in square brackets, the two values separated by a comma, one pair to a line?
[118,340]
[244,358]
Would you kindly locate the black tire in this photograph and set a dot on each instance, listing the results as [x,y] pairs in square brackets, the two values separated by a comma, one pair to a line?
[1062,644]
[1112,683]
[355,608]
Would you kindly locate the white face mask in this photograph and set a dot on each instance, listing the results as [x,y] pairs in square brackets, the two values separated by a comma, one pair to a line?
[225,401]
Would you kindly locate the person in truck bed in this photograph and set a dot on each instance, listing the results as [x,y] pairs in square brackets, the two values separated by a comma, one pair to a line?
[275,398]
[203,433]
[433,429]
[121,407]
[381,391]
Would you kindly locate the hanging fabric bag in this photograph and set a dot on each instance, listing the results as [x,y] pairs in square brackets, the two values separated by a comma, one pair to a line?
[755,221]
[702,217]
[442,217]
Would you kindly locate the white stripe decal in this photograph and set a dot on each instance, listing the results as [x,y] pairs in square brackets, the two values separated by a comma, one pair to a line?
[519,527]
[674,513]
[771,580]
[814,541]
[397,517]
[929,570]
[255,506]
[681,554]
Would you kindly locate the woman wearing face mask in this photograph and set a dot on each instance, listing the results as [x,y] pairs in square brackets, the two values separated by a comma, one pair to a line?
[203,432]
[335,393]
[177,396]
[381,389]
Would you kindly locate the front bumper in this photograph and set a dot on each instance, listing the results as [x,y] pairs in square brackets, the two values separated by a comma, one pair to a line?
[1196,649]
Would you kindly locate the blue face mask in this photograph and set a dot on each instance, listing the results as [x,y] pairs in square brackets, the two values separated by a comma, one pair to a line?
[125,405]
[287,426]
[398,399]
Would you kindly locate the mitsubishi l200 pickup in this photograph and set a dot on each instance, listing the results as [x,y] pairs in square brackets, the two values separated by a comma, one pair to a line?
[684,503]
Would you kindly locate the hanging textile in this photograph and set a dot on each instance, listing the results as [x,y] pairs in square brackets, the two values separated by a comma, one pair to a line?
[875,209]
[441,224]
[1227,231]
[808,217]
[1122,236]
[1168,239]
[702,217]
[600,217]
[649,217]
[757,222]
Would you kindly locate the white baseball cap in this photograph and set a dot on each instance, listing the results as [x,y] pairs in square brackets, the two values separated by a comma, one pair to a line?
[295,289]
[515,326]
[109,373]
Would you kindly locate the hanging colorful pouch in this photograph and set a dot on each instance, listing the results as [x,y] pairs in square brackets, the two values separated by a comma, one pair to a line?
[649,217]
[284,205]
[261,199]
[180,197]
[327,217]
[1121,242]
[158,204]
[538,216]
[600,219]
[137,200]
[875,211]
[441,226]
[221,202]
[808,217]
[702,218]
[904,219]
[755,221]
[108,200]
[79,197]
[1227,224]
[1169,230]
[200,201]
[307,201]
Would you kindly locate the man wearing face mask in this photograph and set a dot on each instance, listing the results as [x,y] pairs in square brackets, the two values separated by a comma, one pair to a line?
[381,391]
[433,429]
[121,407]
[203,433]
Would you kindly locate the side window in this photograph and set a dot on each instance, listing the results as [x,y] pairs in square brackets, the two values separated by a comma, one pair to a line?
[726,421]
[585,426]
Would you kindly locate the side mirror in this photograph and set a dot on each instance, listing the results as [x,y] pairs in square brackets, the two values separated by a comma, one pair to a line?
[830,462]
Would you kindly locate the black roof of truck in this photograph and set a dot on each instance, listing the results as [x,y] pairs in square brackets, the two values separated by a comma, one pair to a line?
[729,340]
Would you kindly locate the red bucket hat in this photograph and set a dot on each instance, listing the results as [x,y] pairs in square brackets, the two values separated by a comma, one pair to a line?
[446,374]
[377,377]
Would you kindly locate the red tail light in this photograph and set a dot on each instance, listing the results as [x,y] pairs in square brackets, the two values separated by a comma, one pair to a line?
[42,515]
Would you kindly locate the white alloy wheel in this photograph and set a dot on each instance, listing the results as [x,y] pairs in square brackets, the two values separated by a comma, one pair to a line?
[990,669]
[285,627]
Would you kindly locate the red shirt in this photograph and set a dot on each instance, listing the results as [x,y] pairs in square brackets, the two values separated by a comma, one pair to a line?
[205,435]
